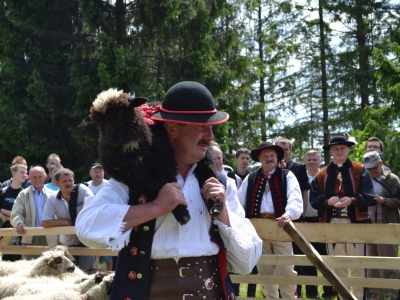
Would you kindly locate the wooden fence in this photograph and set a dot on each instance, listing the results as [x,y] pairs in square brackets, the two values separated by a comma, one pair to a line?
[267,229]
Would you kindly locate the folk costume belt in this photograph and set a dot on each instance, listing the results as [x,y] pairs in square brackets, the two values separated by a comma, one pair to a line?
[267,216]
[340,213]
[191,278]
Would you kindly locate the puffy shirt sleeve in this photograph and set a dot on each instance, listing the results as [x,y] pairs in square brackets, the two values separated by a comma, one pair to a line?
[243,245]
[100,222]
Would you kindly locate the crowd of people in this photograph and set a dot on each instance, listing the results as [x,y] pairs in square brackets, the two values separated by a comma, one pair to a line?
[48,200]
[152,243]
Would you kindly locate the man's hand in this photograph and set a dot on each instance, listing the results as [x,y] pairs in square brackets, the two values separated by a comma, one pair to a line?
[169,196]
[21,228]
[213,188]
[282,220]
[344,202]
[378,198]
[333,200]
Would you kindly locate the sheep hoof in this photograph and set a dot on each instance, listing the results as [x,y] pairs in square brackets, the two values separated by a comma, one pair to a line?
[181,214]
[214,206]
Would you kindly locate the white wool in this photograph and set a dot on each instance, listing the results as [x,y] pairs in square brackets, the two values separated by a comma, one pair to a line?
[100,102]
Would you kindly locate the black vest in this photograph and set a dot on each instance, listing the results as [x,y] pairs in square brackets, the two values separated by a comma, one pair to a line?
[255,190]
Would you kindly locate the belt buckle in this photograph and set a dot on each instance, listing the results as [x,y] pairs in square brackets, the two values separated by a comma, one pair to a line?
[181,275]
[186,295]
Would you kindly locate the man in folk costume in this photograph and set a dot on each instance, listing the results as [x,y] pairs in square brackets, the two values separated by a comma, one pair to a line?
[342,193]
[163,259]
[272,193]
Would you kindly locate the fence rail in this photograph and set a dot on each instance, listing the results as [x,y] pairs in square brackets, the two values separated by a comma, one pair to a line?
[267,229]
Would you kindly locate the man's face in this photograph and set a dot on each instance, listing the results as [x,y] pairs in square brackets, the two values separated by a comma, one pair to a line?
[19,175]
[52,161]
[339,153]
[217,159]
[66,183]
[373,146]
[268,159]
[286,149]
[243,160]
[37,177]
[376,171]
[190,142]
[97,175]
[312,162]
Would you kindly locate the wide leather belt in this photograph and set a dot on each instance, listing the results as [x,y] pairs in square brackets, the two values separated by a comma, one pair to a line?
[191,278]
[340,213]
[267,216]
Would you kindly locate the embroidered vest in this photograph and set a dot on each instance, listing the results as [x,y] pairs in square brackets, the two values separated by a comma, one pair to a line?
[255,191]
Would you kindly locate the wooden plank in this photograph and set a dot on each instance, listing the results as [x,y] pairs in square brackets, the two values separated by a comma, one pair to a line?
[316,280]
[6,240]
[37,250]
[317,261]
[332,233]
[33,231]
[365,262]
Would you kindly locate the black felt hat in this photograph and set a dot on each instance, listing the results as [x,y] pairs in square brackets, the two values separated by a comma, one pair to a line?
[264,145]
[338,140]
[189,102]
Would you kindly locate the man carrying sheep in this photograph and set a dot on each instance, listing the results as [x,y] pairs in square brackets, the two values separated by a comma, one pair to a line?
[28,208]
[197,264]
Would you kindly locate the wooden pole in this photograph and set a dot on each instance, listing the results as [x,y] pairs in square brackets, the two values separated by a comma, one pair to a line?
[318,261]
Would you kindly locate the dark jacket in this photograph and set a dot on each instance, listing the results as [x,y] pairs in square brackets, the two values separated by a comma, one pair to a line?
[363,198]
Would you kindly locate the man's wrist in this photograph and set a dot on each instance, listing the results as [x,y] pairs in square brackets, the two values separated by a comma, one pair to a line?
[385,201]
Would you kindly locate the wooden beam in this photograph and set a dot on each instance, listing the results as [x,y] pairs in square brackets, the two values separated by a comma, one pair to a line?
[364,262]
[38,250]
[316,280]
[317,261]
[332,233]
[33,231]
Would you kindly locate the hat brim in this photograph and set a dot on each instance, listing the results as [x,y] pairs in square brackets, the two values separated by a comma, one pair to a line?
[256,152]
[194,118]
[370,165]
[349,144]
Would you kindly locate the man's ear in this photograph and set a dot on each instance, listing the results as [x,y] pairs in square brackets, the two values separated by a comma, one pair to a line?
[171,128]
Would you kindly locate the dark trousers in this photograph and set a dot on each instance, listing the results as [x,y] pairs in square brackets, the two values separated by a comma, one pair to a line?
[311,290]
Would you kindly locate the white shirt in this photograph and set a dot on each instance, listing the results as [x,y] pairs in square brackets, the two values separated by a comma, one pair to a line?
[59,209]
[171,240]
[294,205]
[96,188]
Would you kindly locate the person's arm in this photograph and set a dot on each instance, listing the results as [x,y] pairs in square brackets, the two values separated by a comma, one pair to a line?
[49,215]
[6,213]
[167,199]
[394,184]
[18,214]
[55,223]
[317,200]
[294,205]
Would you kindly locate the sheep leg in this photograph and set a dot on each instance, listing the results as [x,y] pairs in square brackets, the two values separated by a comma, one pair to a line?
[214,206]
[181,214]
